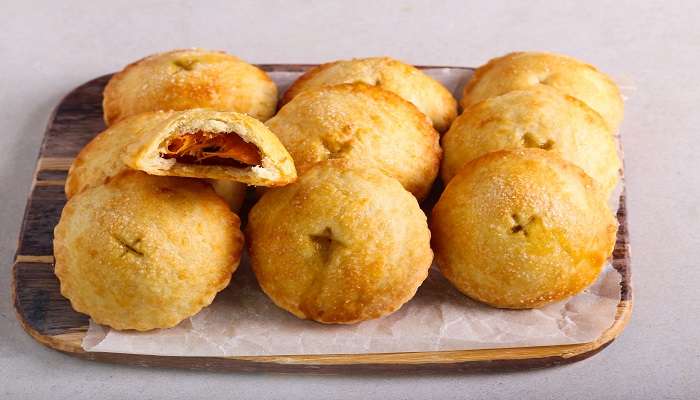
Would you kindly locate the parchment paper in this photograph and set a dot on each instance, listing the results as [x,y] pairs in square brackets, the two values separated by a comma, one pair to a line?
[242,321]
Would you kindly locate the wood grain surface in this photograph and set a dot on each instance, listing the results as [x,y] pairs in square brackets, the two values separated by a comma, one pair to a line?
[48,317]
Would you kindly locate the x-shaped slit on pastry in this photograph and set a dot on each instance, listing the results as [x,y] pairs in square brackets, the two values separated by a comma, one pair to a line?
[337,146]
[522,225]
[129,247]
[325,243]
[529,140]
[185,64]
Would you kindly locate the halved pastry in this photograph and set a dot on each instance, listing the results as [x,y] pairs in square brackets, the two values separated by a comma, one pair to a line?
[190,78]
[210,144]
[101,158]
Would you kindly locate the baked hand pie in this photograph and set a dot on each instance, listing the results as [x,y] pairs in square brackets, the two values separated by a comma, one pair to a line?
[427,94]
[191,78]
[341,245]
[520,229]
[365,124]
[202,143]
[144,252]
[522,70]
[101,159]
[538,117]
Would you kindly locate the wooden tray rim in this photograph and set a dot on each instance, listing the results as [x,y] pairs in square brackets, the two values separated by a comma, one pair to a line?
[476,359]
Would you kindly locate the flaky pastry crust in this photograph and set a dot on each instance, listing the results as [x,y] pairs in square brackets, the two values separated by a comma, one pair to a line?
[144,252]
[538,117]
[340,245]
[191,78]
[522,70]
[101,159]
[365,124]
[412,84]
[520,229]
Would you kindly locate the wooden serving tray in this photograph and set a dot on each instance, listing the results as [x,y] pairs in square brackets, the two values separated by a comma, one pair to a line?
[48,317]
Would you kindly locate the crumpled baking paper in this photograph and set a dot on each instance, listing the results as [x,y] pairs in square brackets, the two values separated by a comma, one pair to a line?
[242,321]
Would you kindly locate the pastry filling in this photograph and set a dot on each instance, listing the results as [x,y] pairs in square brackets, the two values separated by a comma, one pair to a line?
[206,148]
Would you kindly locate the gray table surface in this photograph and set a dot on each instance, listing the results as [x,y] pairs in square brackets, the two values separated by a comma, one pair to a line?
[49,48]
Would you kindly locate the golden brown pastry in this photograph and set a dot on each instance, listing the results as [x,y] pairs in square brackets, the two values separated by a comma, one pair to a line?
[144,252]
[191,78]
[522,70]
[539,117]
[234,193]
[364,124]
[101,158]
[201,143]
[431,98]
[341,245]
[519,229]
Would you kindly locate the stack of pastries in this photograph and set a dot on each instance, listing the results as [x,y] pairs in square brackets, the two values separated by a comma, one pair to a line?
[150,233]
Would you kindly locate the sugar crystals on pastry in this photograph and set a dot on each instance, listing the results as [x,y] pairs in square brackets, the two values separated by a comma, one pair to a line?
[341,245]
[539,117]
[144,252]
[522,70]
[520,229]
[101,159]
[191,78]
[202,143]
[365,124]
[234,193]
[412,84]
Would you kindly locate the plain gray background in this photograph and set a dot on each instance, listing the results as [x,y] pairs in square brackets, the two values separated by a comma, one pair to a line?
[49,48]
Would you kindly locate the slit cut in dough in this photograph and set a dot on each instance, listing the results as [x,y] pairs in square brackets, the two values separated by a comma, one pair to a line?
[186,79]
[213,145]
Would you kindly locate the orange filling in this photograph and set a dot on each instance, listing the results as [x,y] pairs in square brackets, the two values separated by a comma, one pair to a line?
[212,149]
